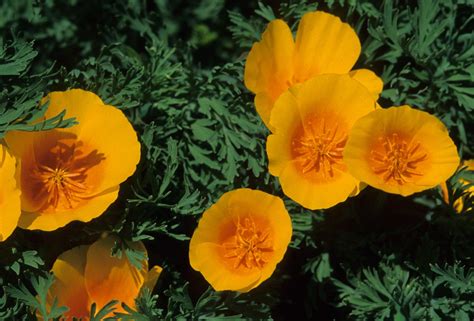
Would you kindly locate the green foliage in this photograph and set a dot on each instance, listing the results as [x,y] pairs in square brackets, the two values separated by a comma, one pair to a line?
[36,300]
[175,68]
[393,292]
[21,91]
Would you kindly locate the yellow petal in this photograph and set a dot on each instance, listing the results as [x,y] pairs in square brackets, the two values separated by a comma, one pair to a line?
[206,259]
[285,120]
[9,195]
[369,79]
[77,103]
[324,44]
[91,209]
[111,278]
[269,67]
[312,194]
[69,286]
[264,106]
[269,63]
[338,94]
[113,136]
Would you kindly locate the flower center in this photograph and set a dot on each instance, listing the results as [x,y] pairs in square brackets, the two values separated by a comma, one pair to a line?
[60,173]
[62,184]
[319,145]
[249,246]
[397,160]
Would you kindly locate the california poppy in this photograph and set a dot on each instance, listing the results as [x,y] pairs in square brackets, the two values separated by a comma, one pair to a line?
[9,195]
[89,274]
[400,150]
[324,45]
[74,173]
[240,240]
[311,124]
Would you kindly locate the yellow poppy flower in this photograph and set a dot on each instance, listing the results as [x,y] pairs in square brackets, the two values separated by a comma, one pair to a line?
[74,173]
[400,150]
[9,195]
[459,203]
[240,240]
[324,45]
[311,123]
[89,274]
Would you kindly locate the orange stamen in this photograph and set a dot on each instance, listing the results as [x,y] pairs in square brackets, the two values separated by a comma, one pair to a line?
[320,146]
[398,160]
[248,245]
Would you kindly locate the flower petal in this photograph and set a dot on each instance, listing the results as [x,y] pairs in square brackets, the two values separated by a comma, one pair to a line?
[9,195]
[111,133]
[324,44]
[369,79]
[264,106]
[269,63]
[91,209]
[205,258]
[111,278]
[69,286]
[269,66]
[311,193]
[152,277]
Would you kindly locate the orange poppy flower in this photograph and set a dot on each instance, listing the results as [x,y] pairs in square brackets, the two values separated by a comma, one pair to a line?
[240,240]
[9,195]
[74,173]
[459,203]
[400,150]
[324,45]
[89,274]
[311,123]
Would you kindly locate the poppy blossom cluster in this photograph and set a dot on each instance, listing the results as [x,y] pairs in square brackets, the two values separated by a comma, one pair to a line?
[329,139]
[51,178]
[329,136]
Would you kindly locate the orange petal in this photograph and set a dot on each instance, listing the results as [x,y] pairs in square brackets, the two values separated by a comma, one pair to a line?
[111,133]
[9,195]
[269,67]
[69,286]
[269,63]
[152,277]
[205,258]
[264,105]
[324,45]
[311,193]
[369,79]
[77,103]
[111,278]
[339,94]
[91,209]
[285,121]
